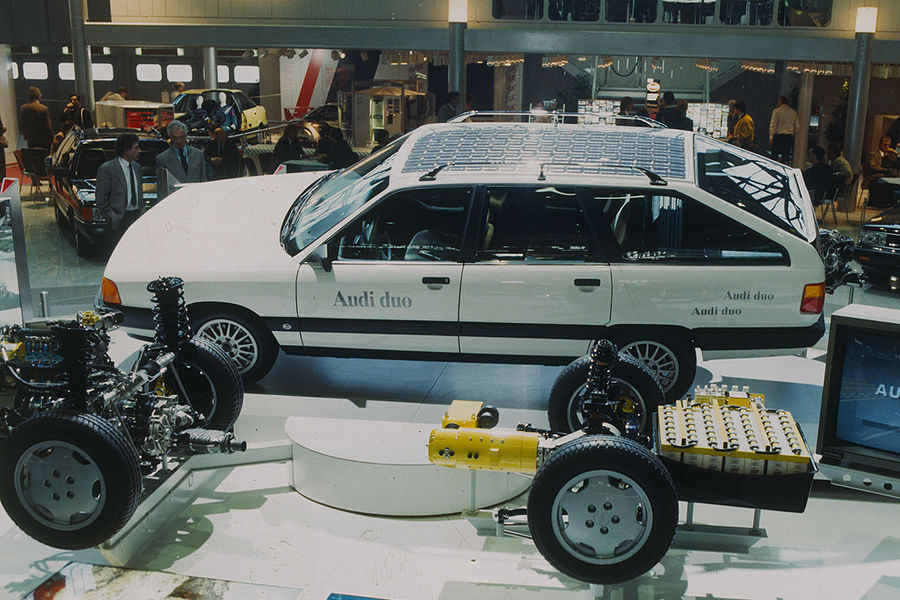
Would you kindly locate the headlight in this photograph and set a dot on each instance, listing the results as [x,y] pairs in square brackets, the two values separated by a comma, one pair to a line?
[872,238]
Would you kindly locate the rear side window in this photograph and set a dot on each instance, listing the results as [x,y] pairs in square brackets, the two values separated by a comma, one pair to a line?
[528,224]
[667,228]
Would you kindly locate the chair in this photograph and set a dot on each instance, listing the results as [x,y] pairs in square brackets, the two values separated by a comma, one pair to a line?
[31,164]
[841,194]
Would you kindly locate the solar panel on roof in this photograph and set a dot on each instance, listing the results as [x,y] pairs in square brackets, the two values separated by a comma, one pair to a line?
[570,150]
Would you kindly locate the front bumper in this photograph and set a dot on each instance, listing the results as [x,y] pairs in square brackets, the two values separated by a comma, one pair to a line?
[879,261]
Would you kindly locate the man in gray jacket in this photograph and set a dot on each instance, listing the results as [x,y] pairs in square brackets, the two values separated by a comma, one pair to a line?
[118,194]
[185,163]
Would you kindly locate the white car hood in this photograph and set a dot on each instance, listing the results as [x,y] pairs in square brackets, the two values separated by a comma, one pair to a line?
[231,225]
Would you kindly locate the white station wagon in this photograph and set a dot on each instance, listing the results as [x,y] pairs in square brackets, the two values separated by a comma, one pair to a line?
[493,242]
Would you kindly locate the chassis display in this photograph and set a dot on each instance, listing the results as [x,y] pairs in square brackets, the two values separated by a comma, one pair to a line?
[603,507]
[78,436]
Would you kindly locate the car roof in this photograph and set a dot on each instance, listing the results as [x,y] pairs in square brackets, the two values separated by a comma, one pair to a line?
[111,133]
[489,151]
[203,90]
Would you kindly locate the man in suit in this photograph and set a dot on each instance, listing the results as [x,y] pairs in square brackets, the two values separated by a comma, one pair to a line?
[883,163]
[186,164]
[223,154]
[118,196]
[36,121]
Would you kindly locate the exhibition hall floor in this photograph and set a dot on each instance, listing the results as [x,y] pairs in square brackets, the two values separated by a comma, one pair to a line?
[251,535]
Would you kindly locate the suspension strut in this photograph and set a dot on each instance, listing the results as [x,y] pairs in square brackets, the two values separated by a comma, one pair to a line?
[170,318]
[75,349]
[596,402]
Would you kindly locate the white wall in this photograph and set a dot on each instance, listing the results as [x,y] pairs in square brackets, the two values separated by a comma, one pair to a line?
[9,112]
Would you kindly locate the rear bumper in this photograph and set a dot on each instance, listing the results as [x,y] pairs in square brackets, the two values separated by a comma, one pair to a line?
[759,338]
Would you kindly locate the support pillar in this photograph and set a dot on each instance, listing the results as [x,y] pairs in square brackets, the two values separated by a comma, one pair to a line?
[804,105]
[456,71]
[81,54]
[210,75]
[859,98]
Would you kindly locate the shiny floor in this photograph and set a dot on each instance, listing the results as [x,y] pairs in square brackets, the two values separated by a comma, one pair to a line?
[250,526]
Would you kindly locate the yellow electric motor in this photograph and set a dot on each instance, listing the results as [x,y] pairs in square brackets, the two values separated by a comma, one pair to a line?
[491,449]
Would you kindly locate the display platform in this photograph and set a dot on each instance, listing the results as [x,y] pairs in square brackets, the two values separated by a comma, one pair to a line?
[247,524]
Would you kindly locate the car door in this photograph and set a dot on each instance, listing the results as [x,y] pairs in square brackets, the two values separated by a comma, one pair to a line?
[394,278]
[537,285]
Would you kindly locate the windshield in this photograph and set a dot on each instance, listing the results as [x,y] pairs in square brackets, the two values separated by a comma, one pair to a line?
[93,154]
[331,198]
[754,183]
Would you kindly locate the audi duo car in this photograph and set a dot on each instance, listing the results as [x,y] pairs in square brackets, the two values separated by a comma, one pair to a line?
[878,249]
[73,179]
[494,242]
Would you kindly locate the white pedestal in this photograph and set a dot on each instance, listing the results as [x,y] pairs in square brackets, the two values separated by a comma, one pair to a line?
[382,468]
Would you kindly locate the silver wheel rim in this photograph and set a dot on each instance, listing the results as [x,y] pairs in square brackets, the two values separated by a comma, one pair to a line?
[602,517]
[60,486]
[232,337]
[619,389]
[661,361]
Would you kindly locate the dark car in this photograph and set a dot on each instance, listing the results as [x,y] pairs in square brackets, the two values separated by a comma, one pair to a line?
[73,169]
[315,123]
[878,248]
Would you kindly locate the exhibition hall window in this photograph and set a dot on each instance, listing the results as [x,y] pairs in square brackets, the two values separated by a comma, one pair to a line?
[805,13]
[662,228]
[533,225]
[691,12]
[222,75]
[35,70]
[412,225]
[574,10]
[148,72]
[522,10]
[66,71]
[102,71]
[746,12]
[183,73]
[631,11]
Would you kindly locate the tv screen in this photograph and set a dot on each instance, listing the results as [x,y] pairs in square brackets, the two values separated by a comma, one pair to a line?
[868,411]
[859,423]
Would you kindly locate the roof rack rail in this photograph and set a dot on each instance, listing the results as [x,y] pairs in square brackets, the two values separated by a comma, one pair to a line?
[556,117]
[430,175]
[653,177]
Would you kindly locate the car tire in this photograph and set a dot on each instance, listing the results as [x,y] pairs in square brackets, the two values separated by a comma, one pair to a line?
[252,348]
[670,359]
[69,480]
[631,382]
[603,509]
[60,219]
[211,383]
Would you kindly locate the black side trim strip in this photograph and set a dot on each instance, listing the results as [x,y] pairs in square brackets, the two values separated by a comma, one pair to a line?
[450,328]
[279,323]
[528,330]
[508,359]
[754,338]
[379,326]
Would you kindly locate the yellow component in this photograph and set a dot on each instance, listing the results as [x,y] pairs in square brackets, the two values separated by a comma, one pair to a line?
[720,395]
[492,449]
[463,413]
[14,350]
[88,317]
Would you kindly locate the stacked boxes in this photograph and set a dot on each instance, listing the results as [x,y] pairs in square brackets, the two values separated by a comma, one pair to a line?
[733,432]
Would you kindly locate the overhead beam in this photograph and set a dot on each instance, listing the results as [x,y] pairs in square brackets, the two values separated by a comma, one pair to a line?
[737,43]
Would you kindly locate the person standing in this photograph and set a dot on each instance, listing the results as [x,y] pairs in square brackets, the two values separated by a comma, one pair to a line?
[186,163]
[818,177]
[450,108]
[119,196]
[782,129]
[744,132]
[36,121]
[223,155]
[684,122]
[77,113]
[667,113]
[885,162]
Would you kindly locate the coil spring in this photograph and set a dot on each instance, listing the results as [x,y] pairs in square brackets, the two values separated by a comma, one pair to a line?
[75,349]
[603,354]
[170,318]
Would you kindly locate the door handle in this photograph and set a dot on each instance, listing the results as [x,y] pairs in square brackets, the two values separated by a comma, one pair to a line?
[436,280]
[587,282]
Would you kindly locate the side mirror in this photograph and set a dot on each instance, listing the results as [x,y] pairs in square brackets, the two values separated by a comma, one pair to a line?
[324,255]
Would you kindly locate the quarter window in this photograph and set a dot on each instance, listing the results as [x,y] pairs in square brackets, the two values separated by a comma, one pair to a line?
[528,224]
[665,228]
[412,225]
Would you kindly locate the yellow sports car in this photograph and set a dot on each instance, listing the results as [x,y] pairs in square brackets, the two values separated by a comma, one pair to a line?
[232,109]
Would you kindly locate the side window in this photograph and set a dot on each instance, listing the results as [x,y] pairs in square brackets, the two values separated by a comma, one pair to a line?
[533,225]
[654,228]
[412,225]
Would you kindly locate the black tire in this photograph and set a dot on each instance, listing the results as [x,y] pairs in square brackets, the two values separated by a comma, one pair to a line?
[631,382]
[212,385]
[60,219]
[603,509]
[671,360]
[252,348]
[69,480]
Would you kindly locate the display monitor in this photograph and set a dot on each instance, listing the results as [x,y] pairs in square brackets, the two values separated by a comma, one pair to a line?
[859,423]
